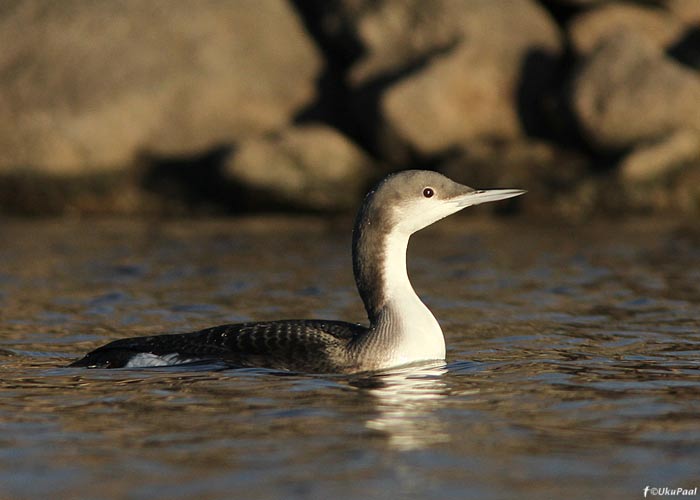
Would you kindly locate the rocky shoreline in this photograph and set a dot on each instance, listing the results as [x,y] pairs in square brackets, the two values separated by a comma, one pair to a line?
[159,106]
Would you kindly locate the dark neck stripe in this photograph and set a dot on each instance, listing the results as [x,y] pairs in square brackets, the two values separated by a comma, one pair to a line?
[370,234]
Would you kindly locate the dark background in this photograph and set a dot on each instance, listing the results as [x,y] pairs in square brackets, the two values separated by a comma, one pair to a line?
[184,107]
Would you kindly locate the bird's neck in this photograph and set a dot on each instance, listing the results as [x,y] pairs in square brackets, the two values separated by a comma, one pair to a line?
[399,320]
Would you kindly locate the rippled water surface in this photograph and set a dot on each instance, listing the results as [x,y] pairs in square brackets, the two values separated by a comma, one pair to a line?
[573,363]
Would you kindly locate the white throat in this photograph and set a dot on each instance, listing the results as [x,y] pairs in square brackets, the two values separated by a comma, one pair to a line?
[418,334]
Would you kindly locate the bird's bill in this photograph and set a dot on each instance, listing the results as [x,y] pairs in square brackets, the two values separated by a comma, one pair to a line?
[486,195]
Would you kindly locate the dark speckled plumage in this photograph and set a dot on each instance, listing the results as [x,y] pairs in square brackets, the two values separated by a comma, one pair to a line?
[297,345]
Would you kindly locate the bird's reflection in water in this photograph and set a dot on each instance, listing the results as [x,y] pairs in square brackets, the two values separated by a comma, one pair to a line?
[406,403]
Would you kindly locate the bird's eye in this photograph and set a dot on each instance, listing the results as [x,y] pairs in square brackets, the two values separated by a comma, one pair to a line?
[428,192]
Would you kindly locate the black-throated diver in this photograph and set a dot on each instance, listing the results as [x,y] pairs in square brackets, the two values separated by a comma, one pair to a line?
[401,331]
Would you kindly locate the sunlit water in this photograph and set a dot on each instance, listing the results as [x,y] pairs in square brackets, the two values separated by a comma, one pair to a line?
[573,364]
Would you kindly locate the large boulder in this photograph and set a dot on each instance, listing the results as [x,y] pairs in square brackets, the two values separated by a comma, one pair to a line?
[590,28]
[627,92]
[84,85]
[308,166]
[656,161]
[425,75]
[552,176]
[687,11]
[479,77]
[397,34]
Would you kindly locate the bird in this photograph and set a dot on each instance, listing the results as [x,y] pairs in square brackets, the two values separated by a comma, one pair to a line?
[402,331]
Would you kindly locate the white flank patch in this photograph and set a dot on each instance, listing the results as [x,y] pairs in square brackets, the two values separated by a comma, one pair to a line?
[146,359]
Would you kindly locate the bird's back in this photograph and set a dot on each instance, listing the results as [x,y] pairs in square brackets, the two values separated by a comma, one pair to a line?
[297,345]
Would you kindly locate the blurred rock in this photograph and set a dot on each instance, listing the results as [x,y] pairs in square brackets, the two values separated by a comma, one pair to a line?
[687,190]
[589,29]
[84,85]
[397,34]
[687,11]
[628,92]
[25,193]
[551,175]
[310,166]
[579,3]
[139,107]
[497,56]
[678,193]
[654,162]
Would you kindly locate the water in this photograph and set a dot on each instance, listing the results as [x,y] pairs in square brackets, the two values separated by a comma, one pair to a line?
[573,363]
